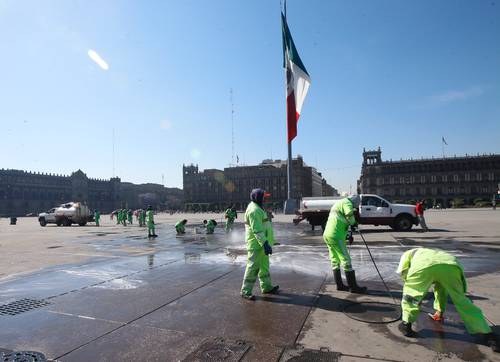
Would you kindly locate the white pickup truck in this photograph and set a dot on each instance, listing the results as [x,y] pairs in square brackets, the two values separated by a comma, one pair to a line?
[373,210]
[66,214]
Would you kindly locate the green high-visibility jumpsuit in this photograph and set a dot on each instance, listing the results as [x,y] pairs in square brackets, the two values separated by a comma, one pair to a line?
[118,217]
[335,234]
[142,218]
[211,226]
[97,217]
[421,268]
[151,222]
[124,217]
[231,215]
[258,230]
[130,214]
[180,227]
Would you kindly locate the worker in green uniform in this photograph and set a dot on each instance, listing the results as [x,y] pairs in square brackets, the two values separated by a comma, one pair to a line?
[336,231]
[118,217]
[97,217]
[210,225]
[259,241]
[151,223]
[130,215]
[141,217]
[230,216]
[420,268]
[180,227]
[124,217]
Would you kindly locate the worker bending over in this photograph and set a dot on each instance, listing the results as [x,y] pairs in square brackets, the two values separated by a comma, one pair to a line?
[259,239]
[421,268]
[210,225]
[230,216]
[336,231]
[180,227]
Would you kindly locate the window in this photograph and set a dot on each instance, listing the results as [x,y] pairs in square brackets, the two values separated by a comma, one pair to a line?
[371,201]
[433,178]
[479,176]
[444,178]
[491,176]
[422,179]
[455,178]
[467,177]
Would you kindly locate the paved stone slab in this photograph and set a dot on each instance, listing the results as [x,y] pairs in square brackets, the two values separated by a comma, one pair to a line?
[125,299]
[50,333]
[218,310]
[137,343]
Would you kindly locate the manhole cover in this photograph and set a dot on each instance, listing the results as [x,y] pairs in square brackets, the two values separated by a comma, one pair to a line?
[21,306]
[23,356]
[305,355]
[373,312]
[219,350]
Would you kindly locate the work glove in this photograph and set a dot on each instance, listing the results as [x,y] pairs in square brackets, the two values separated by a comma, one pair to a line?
[267,248]
[350,238]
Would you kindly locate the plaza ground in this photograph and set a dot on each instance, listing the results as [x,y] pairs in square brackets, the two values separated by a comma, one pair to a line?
[112,294]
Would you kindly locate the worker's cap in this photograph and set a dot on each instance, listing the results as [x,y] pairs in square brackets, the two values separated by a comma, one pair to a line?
[355,199]
[257,196]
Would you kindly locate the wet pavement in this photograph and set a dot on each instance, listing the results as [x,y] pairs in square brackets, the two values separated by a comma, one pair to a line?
[177,298]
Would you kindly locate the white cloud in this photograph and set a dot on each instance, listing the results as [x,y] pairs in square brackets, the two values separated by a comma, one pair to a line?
[97,59]
[195,153]
[165,124]
[456,95]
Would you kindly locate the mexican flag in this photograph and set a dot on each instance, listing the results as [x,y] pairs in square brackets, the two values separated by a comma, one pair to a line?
[297,81]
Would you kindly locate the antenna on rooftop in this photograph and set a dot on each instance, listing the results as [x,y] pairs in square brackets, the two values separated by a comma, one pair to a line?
[113,152]
[232,125]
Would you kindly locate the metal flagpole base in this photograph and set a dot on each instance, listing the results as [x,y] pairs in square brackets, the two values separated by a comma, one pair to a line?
[290,206]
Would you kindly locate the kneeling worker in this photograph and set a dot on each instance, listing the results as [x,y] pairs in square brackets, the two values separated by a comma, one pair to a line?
[258,247]
[421,268]
[210,225]
[340,218]
[180,227]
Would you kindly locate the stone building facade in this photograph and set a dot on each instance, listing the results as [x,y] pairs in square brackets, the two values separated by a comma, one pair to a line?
[215,189]
[23,192]
[442,181]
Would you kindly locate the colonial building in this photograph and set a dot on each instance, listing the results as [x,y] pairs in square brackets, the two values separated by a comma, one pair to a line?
[214,189]
[440,180]
[23,192]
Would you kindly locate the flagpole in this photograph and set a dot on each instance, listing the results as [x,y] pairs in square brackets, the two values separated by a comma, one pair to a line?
[290,205]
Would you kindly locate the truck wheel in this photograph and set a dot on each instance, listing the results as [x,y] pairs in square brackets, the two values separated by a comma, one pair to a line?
[82,223]
[66,222]
[43,222]
[323,227]
[403,223]
[58,222]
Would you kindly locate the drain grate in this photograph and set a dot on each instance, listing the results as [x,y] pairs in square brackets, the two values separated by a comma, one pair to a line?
[21,306]
[23,356]
[306,355]
[219,350]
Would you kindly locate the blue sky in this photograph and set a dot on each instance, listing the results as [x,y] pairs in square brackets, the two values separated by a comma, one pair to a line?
[395,74]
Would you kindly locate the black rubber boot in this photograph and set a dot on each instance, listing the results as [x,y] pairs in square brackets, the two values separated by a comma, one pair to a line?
[405,329]
[273,290]
[353,285]
[248,296]
[338,280]
[491,340]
